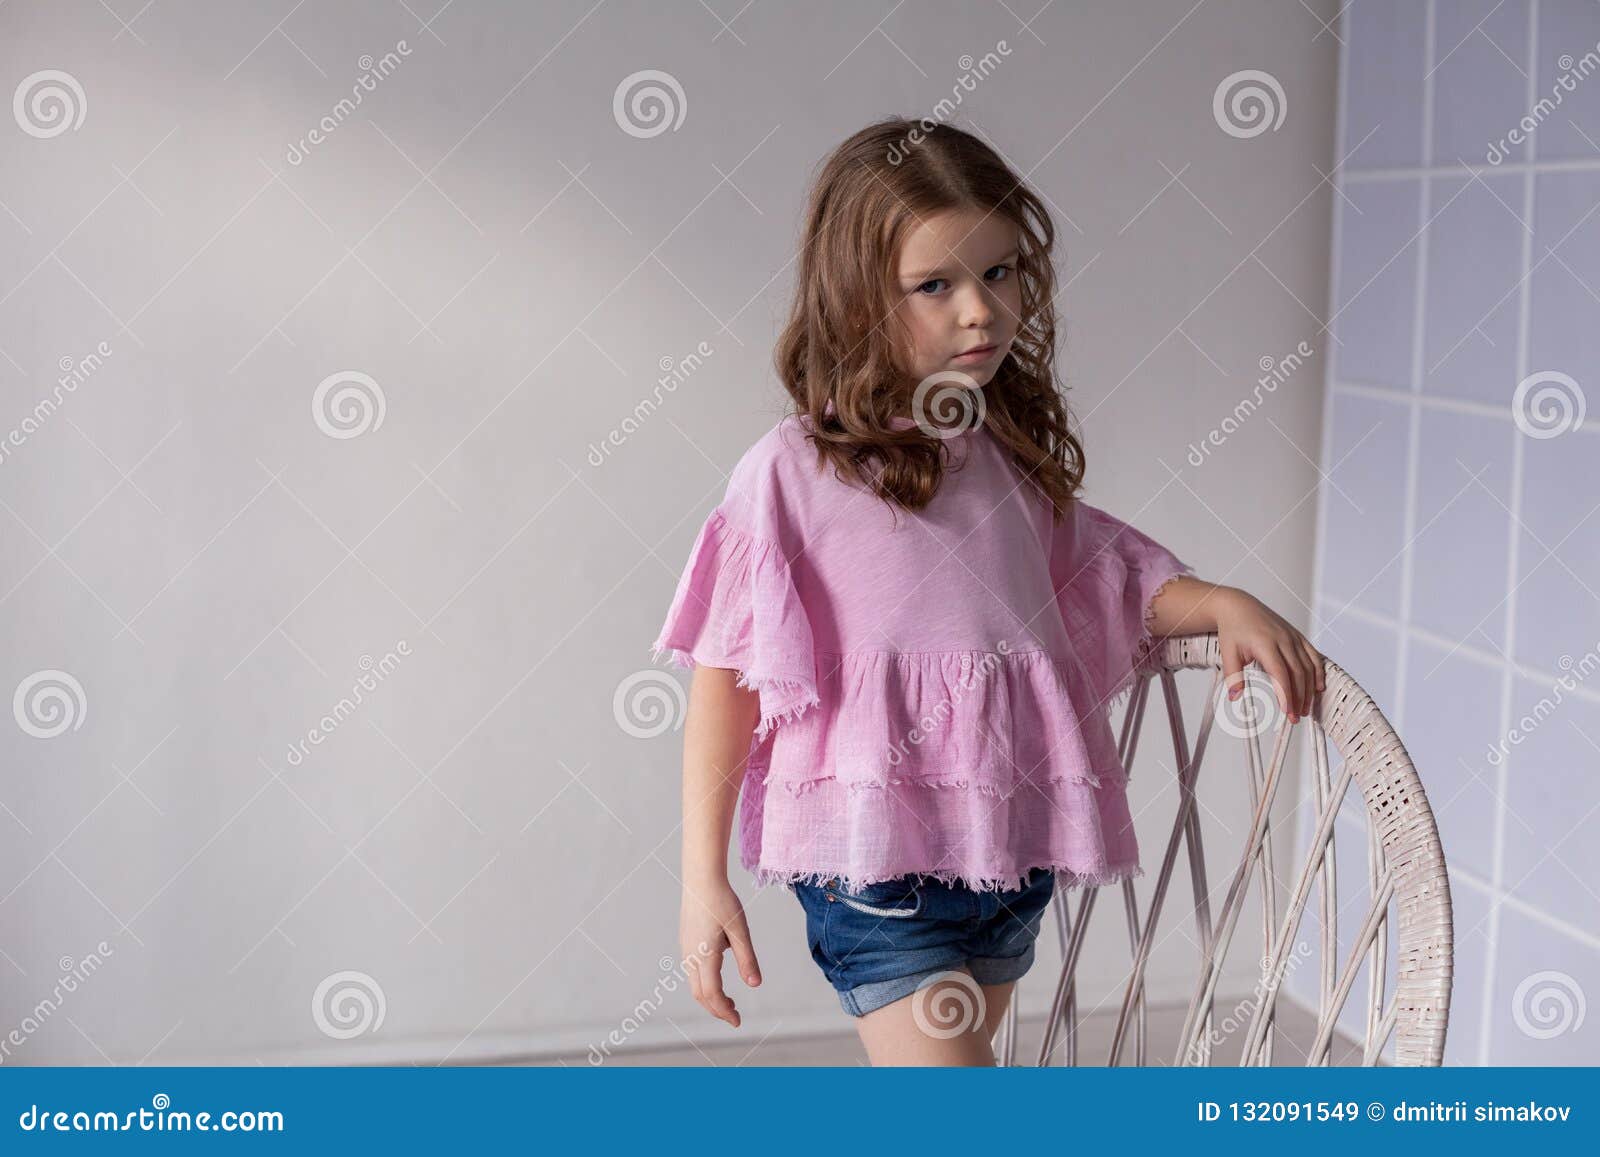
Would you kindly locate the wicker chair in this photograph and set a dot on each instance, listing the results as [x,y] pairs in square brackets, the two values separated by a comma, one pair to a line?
[1406,868]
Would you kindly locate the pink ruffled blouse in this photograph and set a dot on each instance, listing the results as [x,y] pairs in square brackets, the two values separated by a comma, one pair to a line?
[935,687]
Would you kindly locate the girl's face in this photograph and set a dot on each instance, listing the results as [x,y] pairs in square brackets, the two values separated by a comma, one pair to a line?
[961,301]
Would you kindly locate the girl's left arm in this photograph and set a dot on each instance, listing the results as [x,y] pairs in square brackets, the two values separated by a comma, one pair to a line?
[1247,629]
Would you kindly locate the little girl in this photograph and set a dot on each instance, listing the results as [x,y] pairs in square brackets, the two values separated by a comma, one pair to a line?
[907,631]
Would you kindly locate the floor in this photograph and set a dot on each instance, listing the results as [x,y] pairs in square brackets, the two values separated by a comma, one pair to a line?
[1295,1031]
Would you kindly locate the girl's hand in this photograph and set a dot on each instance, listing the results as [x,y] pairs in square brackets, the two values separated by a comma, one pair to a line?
[711,921]
[1248,629]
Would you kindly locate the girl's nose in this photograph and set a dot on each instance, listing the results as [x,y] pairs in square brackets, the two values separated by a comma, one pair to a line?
[975,311]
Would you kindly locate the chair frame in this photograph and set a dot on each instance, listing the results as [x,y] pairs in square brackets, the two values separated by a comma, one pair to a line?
[1405,867]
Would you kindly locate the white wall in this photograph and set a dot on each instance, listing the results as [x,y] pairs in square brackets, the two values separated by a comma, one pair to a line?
[480,838]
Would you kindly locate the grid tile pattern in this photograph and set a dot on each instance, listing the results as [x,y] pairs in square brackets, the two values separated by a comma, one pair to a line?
[1459,537]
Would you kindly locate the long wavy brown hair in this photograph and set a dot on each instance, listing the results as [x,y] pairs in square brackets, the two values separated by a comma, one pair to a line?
[843,354]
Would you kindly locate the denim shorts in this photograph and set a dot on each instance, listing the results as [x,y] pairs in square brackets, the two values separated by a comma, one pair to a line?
[884,941]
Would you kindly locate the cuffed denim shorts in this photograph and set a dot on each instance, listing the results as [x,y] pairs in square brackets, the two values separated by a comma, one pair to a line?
[886,940]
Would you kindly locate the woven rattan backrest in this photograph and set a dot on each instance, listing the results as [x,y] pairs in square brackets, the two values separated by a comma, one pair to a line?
[1406,874]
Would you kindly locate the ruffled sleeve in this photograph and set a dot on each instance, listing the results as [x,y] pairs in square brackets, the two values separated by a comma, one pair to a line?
[737,606]
[1106,574]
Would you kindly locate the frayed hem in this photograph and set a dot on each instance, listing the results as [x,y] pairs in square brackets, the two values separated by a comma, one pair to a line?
[1148,640]
[788,714]
[1144,647]
[677,656]
[1067,877]
[800,787]
[758,684]
[1150,603]
[1123,692]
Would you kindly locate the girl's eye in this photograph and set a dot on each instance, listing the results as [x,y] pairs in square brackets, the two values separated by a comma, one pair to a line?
[1005,271]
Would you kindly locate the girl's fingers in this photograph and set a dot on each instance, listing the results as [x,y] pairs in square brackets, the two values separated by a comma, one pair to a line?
[1316,665]
[1283,678]
[1305,659]
[1294,663]
[1232,671]
[705,981]
[1305,678]
[744,952]
[716,1000]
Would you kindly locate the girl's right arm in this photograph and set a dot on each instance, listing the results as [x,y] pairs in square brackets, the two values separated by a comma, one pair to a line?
[716,743]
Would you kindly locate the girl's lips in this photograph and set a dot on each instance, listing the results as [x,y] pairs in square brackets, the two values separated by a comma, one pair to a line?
[976,355]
